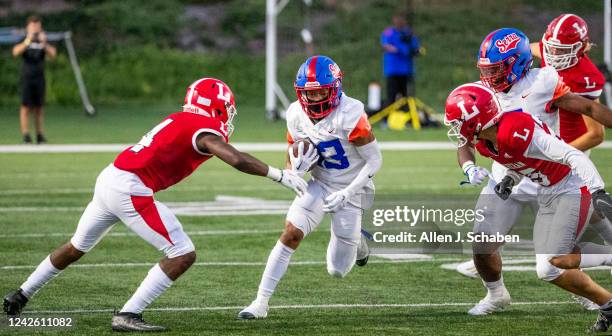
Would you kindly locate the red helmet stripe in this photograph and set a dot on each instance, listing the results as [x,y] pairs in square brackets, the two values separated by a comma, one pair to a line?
[312,69]
[485,45]
[559,24]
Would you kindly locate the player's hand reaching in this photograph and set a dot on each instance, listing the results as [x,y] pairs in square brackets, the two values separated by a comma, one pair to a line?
[304,160]
[336,200]
[293,181]
[602,203]
[475,174]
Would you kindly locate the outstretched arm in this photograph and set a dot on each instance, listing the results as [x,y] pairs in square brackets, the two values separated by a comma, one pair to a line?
[246,163]
[578,104]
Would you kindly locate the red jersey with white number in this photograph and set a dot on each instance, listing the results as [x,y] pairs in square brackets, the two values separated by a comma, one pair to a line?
[514,136]
[168,153]
[586,80]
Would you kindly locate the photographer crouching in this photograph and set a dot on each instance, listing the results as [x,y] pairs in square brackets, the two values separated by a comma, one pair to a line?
[33,50]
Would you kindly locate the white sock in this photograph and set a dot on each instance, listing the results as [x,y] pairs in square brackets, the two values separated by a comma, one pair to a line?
[277,264]
[151,287]
[592,255]
[43,274]
[604,230]
[495,288]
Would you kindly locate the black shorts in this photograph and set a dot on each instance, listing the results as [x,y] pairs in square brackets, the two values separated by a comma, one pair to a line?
[33,92]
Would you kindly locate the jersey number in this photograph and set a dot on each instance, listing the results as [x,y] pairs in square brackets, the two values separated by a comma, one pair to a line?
[332,155]
[147,139]
[536,176]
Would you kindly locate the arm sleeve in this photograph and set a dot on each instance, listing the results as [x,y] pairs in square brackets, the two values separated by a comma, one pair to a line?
[371,154]
[547,147]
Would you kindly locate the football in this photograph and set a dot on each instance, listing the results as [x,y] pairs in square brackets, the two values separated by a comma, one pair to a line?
[307,144]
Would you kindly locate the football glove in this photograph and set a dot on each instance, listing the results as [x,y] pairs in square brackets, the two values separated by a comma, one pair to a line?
[504,188]
[602,203]
[289,179]
[302,163]
[475,174]
[336,200]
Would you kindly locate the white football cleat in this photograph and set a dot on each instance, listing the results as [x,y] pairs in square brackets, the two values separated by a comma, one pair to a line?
[468,269]
[586,303]
[255,310]
[489,305]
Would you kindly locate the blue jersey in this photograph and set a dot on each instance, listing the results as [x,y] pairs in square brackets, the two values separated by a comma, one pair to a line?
[399,63]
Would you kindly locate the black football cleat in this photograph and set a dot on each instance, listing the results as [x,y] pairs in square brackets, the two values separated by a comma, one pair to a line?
[363,252]
[14,302]
[133,322]
[604,319]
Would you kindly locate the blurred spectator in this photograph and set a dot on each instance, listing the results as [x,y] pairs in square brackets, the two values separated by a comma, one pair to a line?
[33,50]
[401,46]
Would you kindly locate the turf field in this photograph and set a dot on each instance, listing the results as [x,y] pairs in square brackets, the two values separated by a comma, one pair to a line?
[42,196]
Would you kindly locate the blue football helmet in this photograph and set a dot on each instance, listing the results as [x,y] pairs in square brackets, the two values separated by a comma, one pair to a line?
[318,73]
[504,58]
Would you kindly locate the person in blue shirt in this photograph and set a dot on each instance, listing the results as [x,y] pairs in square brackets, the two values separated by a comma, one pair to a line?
[401,45]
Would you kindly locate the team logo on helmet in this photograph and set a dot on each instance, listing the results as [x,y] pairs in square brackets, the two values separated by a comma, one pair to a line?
[581,30]
[335,70]
[508,43]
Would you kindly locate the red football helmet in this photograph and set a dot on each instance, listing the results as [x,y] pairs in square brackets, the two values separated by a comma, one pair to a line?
[470,108]
[565,41]
[212,98]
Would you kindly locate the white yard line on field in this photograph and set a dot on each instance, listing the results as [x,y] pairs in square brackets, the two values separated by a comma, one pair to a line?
[220,206]
[313,306]
[244,146]
[131,234]
[231,263]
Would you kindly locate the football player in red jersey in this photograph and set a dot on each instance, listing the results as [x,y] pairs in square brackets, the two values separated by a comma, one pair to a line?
[125,192]
[504,62]
[567,181]
[564,46]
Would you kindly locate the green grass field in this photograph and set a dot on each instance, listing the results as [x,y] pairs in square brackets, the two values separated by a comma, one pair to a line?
[40,200]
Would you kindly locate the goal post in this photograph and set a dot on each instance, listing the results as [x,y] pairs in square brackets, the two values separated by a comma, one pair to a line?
[607,48]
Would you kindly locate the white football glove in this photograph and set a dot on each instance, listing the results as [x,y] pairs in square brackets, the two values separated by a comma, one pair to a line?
[293,181]
[336,200]
[303,161]
[475,174]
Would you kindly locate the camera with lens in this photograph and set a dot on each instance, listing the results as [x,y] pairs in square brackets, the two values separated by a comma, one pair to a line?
[36,37]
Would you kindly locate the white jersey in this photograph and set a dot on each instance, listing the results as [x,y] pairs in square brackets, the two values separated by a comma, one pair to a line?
[532,94]
[339,162]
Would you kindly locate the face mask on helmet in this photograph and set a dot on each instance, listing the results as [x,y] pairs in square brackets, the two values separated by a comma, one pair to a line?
[560,56]
[497,76]
[470,109]
[317,101]
[231,113]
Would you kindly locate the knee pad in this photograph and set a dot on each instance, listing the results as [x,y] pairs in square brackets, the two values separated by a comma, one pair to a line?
[179,249]
[545,270]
